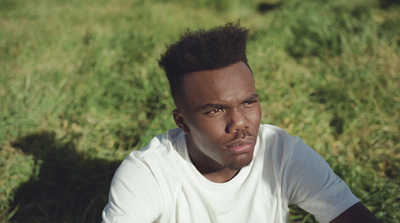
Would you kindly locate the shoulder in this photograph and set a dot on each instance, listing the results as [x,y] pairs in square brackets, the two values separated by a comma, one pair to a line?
[136,189]
[159,150]
[307,178]
[277,141]
[160,143]
[275,147]
[162,146]
[271,132]
[270,129]
[287,149]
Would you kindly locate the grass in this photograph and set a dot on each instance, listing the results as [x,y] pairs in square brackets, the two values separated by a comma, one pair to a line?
[80,88]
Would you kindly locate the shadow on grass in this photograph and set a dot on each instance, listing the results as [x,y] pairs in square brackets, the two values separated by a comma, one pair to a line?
[67,187]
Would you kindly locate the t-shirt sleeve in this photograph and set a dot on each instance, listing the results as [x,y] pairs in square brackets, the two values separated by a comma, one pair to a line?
[313,186]
[134,194]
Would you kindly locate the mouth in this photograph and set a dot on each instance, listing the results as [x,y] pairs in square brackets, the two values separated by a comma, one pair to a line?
[242,146]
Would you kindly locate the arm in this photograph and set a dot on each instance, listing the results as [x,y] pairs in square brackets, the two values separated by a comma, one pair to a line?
[356,213]
[314,187]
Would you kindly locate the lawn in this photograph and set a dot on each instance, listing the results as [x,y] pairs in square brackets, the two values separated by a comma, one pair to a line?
[80,88]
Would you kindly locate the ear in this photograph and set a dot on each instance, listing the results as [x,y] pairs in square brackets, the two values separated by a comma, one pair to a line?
[179,121]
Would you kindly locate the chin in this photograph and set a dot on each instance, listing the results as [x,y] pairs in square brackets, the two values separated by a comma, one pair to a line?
[239,163]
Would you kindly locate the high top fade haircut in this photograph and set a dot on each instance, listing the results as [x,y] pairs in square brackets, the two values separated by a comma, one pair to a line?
[203,50]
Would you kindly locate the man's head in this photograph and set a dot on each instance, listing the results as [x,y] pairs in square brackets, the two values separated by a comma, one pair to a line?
[214,91]
[203,50]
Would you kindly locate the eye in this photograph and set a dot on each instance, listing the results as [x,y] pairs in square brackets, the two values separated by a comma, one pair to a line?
[214,111]
[250,102]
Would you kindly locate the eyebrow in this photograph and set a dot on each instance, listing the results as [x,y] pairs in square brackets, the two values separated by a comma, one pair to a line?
[251,98]
[212,105]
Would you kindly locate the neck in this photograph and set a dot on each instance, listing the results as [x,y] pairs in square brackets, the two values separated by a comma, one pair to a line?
[222,176]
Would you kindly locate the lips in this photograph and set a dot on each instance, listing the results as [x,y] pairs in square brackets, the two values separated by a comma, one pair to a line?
[240,146]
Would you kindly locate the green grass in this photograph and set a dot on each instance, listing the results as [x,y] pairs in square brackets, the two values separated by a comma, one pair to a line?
[80,88]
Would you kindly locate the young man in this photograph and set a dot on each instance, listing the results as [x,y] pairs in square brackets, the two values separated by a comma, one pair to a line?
[221,164]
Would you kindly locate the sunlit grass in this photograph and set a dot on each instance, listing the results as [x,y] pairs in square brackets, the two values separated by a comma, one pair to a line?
[80,88]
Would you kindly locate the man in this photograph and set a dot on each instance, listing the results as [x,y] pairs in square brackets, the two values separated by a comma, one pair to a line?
[221,164]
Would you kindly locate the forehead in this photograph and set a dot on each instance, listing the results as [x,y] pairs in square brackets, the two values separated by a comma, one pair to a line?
[225,85]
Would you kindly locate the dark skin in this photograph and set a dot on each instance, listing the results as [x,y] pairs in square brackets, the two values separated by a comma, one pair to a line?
[356,213]
[220,115]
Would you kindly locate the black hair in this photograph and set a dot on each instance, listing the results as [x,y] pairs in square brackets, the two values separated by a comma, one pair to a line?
[203,50]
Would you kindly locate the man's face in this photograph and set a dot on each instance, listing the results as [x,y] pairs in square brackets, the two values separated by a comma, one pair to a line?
[220,115]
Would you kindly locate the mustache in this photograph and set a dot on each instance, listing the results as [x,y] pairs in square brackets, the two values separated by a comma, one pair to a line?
[241,139]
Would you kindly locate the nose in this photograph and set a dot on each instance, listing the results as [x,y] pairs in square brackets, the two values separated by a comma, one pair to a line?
[236,121]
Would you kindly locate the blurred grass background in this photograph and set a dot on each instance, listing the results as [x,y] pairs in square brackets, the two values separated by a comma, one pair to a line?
[80,88]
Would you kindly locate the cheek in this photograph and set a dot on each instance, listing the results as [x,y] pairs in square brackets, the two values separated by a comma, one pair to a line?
[209,131]
[259,114]
[254,116]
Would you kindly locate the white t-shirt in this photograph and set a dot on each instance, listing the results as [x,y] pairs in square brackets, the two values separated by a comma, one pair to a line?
[160,184]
